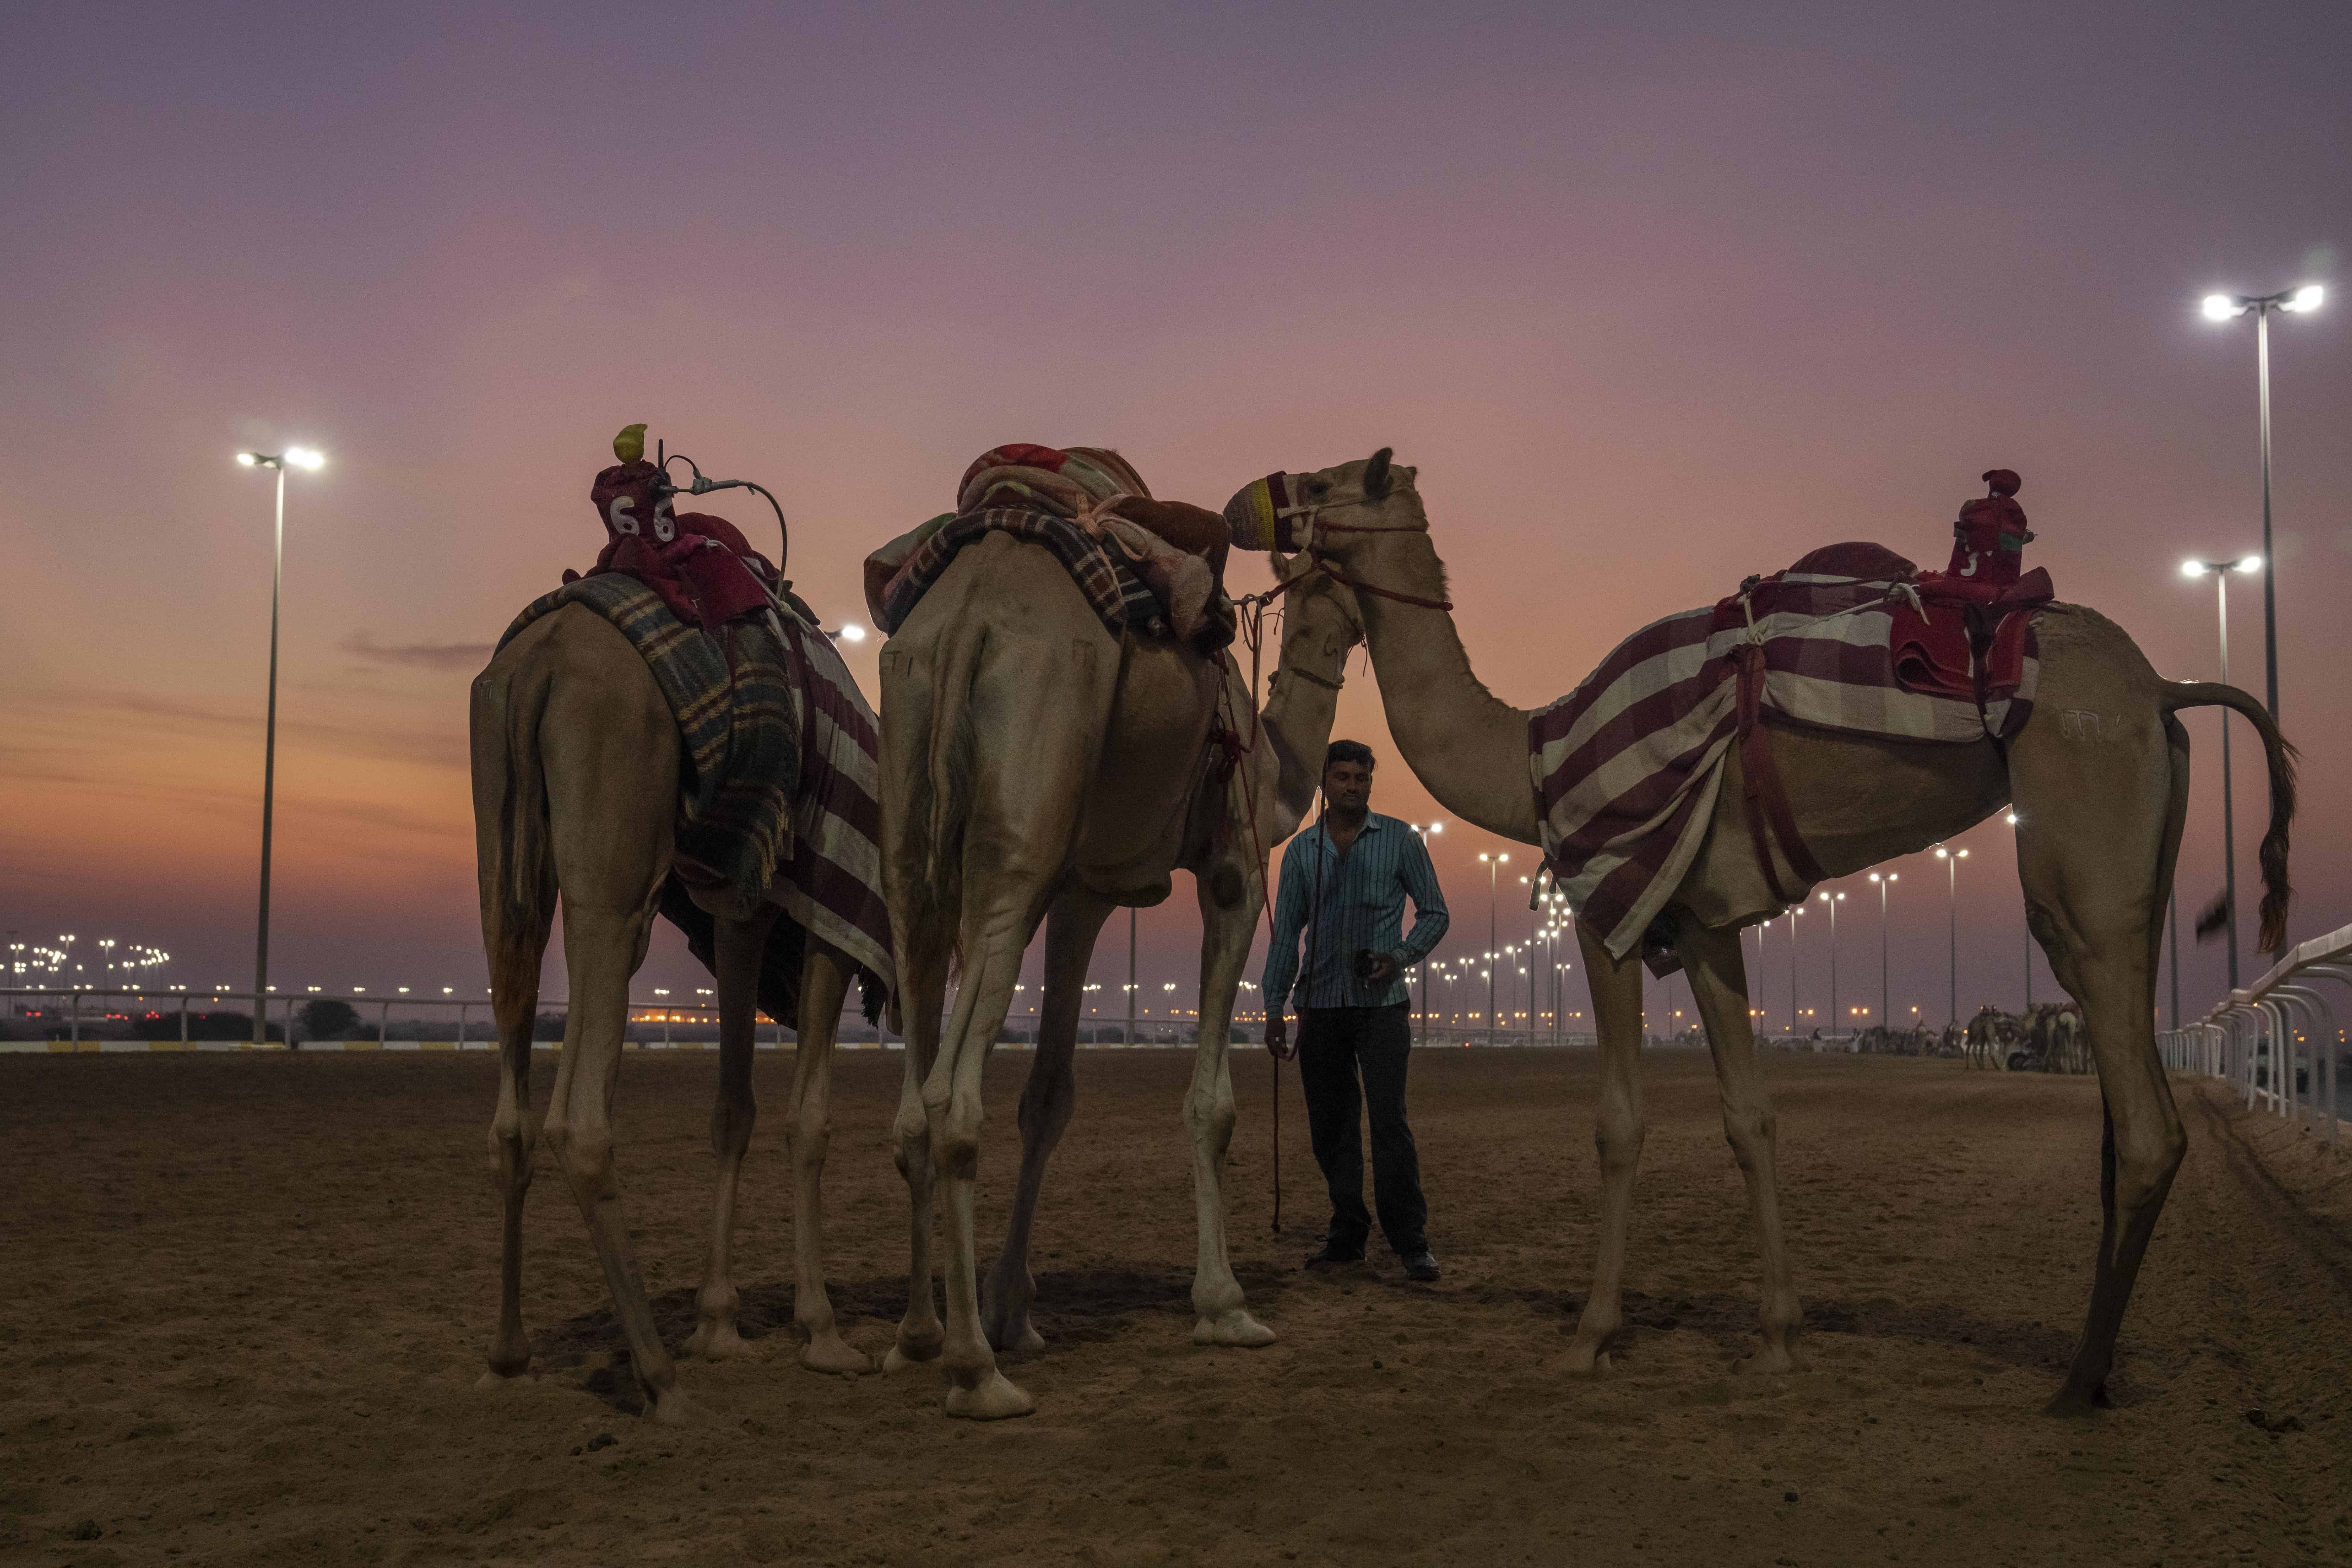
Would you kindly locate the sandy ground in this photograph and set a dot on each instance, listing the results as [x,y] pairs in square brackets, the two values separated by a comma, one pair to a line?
[246,1300]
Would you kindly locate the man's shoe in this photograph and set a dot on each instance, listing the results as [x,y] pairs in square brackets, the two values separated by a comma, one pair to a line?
[1332,1254]
[1422,1266]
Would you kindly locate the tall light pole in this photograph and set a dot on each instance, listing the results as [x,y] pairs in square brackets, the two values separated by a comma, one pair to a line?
[302,458]
[1833,901]
[1130,975]
[2222,308]
[1884,883]
[1424,830]
[1794,912]
[1494,864]
[2029,929]
[2220,571]
[1952,858]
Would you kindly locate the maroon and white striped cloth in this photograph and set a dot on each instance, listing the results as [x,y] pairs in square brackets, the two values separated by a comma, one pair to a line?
[1628,766]
[832,881]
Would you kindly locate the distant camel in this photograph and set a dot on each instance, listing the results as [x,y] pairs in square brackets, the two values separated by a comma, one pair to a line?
[2099,776]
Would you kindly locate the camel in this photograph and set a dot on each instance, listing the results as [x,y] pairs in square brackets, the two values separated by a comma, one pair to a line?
[1035,767]
[575,768]
[1990,1037]
[2098,777]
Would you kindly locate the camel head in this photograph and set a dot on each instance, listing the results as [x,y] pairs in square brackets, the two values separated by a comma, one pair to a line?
[1317,512]
[1322,624]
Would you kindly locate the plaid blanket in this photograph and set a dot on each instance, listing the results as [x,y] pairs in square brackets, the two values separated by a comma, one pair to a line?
[1067,501]
[780,798]
[1627,766]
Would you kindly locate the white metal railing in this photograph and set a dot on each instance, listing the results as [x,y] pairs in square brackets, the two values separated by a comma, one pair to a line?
[2276,1041]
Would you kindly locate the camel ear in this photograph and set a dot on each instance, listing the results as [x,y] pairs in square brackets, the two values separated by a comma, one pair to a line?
[1283,565]
[1376,475]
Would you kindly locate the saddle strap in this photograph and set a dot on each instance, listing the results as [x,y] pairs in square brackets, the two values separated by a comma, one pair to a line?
[1769,817]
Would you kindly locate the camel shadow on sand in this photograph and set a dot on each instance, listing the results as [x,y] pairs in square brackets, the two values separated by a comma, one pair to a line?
[1074,1307]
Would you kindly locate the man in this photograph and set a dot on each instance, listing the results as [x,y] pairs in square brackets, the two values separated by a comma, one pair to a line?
[1344,882]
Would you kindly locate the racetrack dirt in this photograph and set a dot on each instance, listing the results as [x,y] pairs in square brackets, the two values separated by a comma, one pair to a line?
[244,1301]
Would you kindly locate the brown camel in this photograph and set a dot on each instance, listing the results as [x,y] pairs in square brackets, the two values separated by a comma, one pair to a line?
[576,762]
[2099,778]
[1035,767]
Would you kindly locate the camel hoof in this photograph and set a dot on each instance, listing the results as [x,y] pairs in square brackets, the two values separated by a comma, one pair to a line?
[497,1377]
[1772,1360]
[1019,1334]
[2073,1403]
[1586,1359]
[1233,1328]
[829,1353]
[672,1408]
[715,1339]
[994,1400]
[907,1354]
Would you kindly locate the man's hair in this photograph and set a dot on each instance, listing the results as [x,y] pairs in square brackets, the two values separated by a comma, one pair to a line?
[1348,751]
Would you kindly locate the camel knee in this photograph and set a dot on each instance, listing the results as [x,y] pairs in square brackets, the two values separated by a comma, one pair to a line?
[955,1141]
[584,1158]
[511,1149]
[2145,1167]
[1211,1117]
[731,1126]
[1618,1139]
[1749,1133]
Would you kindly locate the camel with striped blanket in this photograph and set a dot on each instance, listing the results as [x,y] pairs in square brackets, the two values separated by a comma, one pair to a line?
[2099,779]
[1037,767]
[576,773]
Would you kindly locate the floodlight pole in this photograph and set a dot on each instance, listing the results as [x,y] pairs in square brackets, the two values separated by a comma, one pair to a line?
[269,758]
[2263,309]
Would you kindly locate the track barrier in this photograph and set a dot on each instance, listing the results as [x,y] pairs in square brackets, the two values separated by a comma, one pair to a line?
[2276,1041]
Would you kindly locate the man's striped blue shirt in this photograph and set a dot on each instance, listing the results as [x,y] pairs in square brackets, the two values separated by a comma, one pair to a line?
[1363,894]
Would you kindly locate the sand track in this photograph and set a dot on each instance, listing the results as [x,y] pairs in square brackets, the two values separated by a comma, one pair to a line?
[246,1300]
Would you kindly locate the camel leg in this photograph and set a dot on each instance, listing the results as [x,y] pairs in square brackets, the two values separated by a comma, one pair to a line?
[1616,989]
[923,981]
[604,948]
[1719,988]
[1047,1100]
[1226,934]
[2093,840]
[514,968]
[741,946]
[951,1106]
[825,981]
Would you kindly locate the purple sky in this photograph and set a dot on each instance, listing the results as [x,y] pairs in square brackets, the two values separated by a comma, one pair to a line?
[1652,305]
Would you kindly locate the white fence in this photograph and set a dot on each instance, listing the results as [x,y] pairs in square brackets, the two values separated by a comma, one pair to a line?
[2276,1041]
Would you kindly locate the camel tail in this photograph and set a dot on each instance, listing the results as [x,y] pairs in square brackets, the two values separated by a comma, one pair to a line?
[940,788]
[513,851]
[2283,758]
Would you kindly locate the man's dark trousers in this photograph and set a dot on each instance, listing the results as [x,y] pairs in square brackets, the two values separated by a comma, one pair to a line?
[1334,1044]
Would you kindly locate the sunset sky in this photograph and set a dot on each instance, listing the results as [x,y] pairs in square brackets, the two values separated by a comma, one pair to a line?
[1654,298]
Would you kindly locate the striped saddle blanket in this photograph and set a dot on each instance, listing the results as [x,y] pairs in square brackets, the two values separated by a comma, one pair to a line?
[1155,566]
[782,781]
[1853,638]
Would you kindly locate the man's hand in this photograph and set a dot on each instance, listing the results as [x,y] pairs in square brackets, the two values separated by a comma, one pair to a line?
[1278,1037]
[1383,967]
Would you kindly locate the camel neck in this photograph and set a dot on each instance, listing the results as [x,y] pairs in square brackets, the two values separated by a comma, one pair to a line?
[1466,746]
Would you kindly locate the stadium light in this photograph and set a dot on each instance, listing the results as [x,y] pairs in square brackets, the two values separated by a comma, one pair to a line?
[2222,308]
[307,458]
